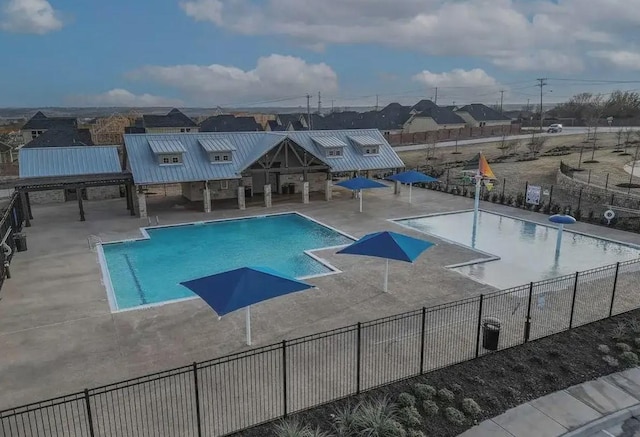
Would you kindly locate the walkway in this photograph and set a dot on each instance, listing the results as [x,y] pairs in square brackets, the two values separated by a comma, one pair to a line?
[606,407]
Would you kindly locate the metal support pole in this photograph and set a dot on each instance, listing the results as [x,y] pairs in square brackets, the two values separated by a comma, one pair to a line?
[358,357]
[87,402]
[284,377]
[80,206]
[606,183]
[197,395]
[504,183]
[25,211]
[573,300]
[579,198]
[29,205]
[550,198]
[422,338]
[527,323]
[479,325]
[613,292]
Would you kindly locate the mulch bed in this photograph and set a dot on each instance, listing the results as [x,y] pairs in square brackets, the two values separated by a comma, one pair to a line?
[502,380]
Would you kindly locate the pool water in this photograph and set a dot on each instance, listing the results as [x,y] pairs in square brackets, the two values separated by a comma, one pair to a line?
[149,271]
[526,249]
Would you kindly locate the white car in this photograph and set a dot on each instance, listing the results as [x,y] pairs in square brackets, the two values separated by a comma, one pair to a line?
[554,128]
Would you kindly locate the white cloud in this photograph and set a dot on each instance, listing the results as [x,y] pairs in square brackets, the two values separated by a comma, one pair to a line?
[497,30]
[627,60]
[122,97]
[273,77]
[456,78]
[29,16]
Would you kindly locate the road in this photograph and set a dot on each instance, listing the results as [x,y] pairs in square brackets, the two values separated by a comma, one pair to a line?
[565,131]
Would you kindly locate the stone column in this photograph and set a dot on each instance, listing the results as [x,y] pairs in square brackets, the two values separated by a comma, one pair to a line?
[141,204]
[241,201]
[206,197]
[328,190]
[267,195]
[397,187]
[305,192]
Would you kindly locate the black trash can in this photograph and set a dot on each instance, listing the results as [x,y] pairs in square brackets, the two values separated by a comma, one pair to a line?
[292,188]
[20,241]
[248,191]
[490,333]
[286,189]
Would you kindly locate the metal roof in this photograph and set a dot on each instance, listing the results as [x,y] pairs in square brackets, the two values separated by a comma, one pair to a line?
[216,145]
[68,161]
[329,142]
[159,146]
[249,147]
[365,140]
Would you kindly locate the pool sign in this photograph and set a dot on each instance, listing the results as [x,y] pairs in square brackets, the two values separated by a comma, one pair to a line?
[533,194]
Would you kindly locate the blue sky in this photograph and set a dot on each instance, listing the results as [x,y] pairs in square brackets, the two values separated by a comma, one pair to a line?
[237,52]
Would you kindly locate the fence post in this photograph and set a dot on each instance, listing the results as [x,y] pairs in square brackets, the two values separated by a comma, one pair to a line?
[89,417]
[573,300]
[613,292]
[612,197]
[589,178]
[358,358]
[550,198]
[424,320]
[284,377]
[580,198]
[524,198]
[527,323]
[197,394]
[479,325]
[504,182]
[606,183]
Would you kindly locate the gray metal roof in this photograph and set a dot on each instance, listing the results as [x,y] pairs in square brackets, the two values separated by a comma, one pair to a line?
[364,140]
[329,142]
[216,145]
[159,146]
[68,161]
[249,147]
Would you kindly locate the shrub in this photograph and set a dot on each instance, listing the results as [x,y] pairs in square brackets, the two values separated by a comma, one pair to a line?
[454,416]
[519,368]
[446,395]
[430,408]
[376,418]
[519,200]
[634,326]
[629,358]
[491,400]
[501,371]
[415,433]
[502,198]
[406,400]
[591,216]
[604,348]
[623,347]
[511,392]
[345,421]
[494,197]
[610,361]
[577,215]
[424,391]
[409,417]
[509,200]
[550,376]
[636,341]
[293,428]
[471,407]
[456,388]
[619,331]
[554,354]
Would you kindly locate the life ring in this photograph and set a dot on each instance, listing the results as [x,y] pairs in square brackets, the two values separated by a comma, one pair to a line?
[609,214]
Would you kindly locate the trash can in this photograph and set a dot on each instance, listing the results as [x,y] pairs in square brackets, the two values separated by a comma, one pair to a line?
[292,188]
[490,333]
[20,241]
[286,189]
[248,191]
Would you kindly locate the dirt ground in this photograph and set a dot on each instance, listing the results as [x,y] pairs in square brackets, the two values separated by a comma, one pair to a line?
[541,171]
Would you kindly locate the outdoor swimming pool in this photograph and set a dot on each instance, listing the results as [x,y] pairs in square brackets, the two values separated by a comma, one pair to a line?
[149,271]
[526,249]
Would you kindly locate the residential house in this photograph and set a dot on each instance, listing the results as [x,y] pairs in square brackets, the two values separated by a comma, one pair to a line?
[273,126]
[61,137]
[61,162]
[230,123]
[479,115]
[432,119]
[40,123]
[234,165]
[174,122]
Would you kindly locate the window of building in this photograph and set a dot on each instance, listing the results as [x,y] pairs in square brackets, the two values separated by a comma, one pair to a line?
[332,153]
[187,129]
[225,157]
[175,160]
[338,152]
[220,157]
[216,157]
[167,159]
[224,185]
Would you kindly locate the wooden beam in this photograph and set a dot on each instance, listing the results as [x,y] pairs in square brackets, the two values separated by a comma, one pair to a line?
[276,154]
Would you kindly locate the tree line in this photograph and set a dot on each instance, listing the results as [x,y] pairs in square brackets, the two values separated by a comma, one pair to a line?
[589,106]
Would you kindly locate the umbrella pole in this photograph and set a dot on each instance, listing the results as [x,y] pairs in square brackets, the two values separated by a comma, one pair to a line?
[386,277]
[410,186]
[360,200]
[248,321]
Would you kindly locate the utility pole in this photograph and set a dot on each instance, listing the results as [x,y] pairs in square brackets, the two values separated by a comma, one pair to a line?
[319,103]
[542,82]
[435,100]
[308,111]
[376,102]
[332,105]
[501,100]
[528,100]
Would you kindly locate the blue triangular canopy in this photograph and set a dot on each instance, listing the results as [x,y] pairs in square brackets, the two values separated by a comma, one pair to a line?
[235,289]
[361,183]
[412,177]
[389,245]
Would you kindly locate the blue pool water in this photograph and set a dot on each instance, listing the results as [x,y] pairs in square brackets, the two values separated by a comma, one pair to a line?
[150,271]
[526,249]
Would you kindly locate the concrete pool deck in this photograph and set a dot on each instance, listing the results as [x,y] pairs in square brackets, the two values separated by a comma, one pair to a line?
[58,335]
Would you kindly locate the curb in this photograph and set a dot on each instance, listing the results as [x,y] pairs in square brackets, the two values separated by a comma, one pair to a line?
[592,427]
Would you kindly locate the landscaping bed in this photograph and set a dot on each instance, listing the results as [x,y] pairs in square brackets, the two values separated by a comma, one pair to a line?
[446,402]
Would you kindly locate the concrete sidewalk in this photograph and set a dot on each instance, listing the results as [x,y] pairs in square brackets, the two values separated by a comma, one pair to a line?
[605,407]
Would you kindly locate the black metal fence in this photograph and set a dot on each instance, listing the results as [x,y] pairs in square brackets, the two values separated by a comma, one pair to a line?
[10,223]
[230,393]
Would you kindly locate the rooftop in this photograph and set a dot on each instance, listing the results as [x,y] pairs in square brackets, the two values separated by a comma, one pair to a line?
[62,137]
[68,161]
[175,118]
[40,121]
[481,112]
